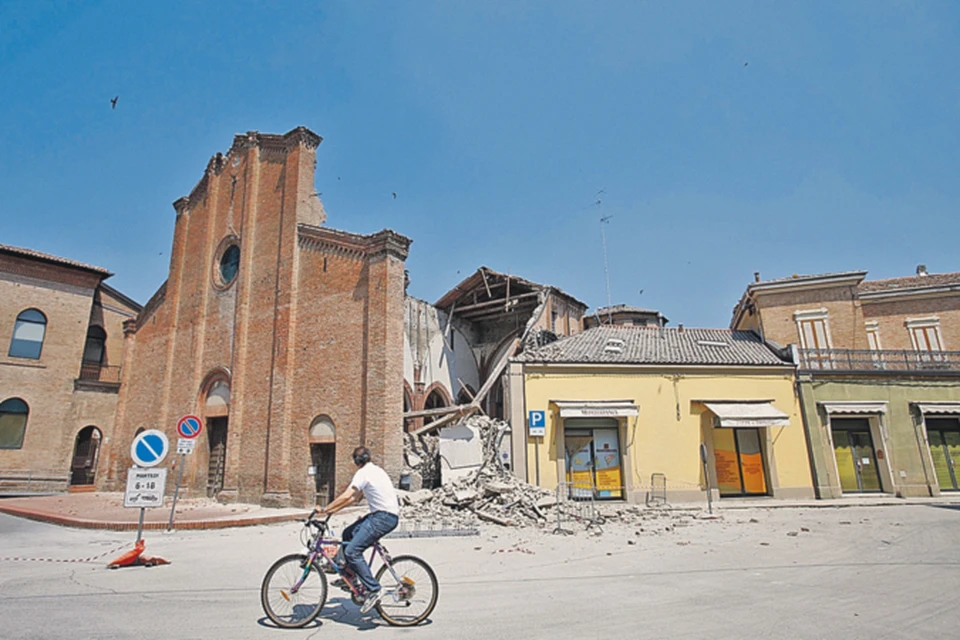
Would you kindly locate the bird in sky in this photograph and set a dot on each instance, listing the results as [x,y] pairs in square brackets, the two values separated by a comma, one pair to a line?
[745,63]
[113,102]
[394,195]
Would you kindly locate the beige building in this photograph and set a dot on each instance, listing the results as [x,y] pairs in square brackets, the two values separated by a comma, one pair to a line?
[878,372]
[62,335]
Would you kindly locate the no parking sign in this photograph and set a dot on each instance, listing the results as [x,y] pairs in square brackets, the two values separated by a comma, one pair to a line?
[149,448]
[189,427]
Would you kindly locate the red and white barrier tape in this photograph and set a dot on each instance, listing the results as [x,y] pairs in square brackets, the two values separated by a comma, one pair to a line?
[77,560]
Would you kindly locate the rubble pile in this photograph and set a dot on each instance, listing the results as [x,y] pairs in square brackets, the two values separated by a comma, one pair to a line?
[421,461]
[489,493]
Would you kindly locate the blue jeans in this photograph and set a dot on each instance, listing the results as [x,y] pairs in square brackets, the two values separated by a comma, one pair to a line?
[359,537]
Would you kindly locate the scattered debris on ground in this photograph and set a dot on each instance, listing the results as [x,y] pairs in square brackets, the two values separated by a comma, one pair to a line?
[491,494]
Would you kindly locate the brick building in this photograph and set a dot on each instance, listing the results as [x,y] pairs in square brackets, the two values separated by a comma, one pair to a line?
[285,336]
[61,331]
[879,386]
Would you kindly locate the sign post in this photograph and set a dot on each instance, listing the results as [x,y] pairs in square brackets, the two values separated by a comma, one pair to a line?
[145,486]
[537,428]
[706,477]
[188,428]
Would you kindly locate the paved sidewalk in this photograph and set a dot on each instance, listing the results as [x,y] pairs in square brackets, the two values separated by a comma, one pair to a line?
[858,500]
[106,511]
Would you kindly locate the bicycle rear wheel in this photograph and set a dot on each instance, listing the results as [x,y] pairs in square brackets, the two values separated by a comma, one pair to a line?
[409,600]
[284,607]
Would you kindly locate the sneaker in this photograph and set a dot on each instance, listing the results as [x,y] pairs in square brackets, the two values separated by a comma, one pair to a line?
[371,601]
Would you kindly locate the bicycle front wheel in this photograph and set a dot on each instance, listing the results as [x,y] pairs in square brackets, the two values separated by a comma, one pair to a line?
[288,608]
[410,591]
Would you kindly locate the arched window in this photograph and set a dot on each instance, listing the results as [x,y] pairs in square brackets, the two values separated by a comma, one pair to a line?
[94,350]
[28,332]
[13,423]
[435,400]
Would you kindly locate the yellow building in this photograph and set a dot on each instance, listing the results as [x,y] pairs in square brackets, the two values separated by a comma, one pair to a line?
[627,410]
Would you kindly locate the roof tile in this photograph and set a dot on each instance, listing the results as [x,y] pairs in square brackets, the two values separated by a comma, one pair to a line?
[652,345]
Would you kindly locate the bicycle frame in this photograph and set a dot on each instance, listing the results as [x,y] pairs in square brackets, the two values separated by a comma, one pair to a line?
[316,550]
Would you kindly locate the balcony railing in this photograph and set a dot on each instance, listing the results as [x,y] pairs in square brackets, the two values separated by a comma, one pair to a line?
[93,372]
[873,361]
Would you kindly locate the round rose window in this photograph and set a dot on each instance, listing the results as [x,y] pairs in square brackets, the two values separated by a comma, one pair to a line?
[229,264]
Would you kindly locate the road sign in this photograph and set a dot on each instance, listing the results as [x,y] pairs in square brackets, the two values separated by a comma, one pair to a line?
[537,423]
[189,427]
[149,448]
[185,447]
[145,488]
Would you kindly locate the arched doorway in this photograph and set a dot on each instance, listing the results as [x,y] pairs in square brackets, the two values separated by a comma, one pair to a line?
[83,466]
[323,450]
[216,411]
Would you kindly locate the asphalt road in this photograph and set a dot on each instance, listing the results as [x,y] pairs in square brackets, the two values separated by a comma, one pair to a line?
[871,573]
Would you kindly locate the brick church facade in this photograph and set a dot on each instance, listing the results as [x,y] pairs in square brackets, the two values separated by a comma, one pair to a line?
[284,335]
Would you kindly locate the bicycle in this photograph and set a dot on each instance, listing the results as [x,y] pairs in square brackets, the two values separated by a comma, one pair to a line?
[295,588]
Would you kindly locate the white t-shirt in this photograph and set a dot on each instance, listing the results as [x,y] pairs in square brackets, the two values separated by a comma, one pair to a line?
[377,489]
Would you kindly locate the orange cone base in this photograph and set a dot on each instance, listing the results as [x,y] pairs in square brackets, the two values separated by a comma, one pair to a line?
[130,558]
[152,561]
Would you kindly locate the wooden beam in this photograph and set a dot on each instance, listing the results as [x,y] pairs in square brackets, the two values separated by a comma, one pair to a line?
[439,411]
[464,387]
[480,314]
[485,283]
[491,303]
[436,424]
[495,373]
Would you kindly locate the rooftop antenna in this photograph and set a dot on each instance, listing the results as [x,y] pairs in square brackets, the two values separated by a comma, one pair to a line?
[603,240]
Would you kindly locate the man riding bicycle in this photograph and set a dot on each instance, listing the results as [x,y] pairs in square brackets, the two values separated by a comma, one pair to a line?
[373,483]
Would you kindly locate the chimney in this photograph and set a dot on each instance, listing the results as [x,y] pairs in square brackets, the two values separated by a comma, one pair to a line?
[922,270]
[756,276]
[680,328]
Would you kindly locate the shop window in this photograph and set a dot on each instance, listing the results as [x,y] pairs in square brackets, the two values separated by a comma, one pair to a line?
[28,333]
[592,456]
[13,423]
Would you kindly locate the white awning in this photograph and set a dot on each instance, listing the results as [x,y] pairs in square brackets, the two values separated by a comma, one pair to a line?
[748,414]
[853,407]
[596,408]
[942,408]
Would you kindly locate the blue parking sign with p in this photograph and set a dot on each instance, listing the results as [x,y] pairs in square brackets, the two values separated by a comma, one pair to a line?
[537,423]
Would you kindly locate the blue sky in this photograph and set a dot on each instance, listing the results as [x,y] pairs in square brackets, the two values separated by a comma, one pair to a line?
[727,137]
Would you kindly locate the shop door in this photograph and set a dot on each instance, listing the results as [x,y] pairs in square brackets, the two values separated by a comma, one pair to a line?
[323,457]
[944,437]
[217,436]
[738,457]
[856,458]
[593,462]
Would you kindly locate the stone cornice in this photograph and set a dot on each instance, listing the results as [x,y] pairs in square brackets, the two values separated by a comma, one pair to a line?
[353,245]
[389,243]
